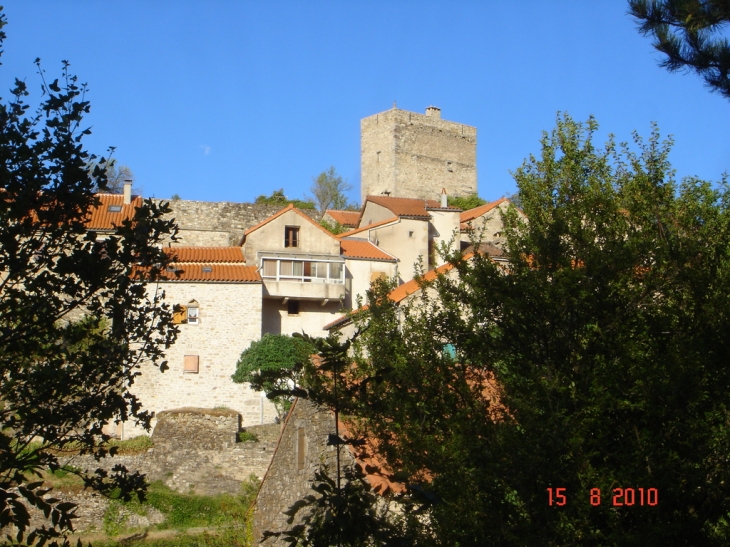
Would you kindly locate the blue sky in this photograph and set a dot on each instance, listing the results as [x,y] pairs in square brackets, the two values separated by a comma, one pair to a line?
[226,100]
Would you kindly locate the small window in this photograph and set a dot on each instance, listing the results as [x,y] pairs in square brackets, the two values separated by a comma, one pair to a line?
[114,208]
[192,364]
[207,269]
[301,448]
[292,307]
[193,312]
[291,236]
[410,233]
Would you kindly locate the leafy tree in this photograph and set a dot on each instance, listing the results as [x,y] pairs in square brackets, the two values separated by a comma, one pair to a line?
[465,202]
[690,34]
[333,227]
[328,191]
[274,365]
[76,319]
[277,197]
[599,362]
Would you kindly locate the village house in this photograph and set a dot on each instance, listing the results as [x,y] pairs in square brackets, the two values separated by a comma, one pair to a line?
[245,270]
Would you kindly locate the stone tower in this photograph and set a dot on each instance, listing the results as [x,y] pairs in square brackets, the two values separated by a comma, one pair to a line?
[413,155]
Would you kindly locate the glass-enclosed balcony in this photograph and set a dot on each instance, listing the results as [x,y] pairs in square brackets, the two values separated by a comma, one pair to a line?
[307,277]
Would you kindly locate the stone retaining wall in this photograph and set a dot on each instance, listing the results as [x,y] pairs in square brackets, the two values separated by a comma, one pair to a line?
[195,451]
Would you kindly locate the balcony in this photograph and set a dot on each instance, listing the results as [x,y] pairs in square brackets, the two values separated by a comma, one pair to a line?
[303,277]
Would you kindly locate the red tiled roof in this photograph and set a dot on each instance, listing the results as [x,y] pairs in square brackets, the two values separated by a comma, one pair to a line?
[402,292]
[471,214]
[368,227]
[289,207]
[219,273]
[349,219]
[408,207]
[206,254]
[101,218]
[363,249]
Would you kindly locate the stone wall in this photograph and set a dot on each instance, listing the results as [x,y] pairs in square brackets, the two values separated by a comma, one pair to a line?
[415,155]
[218,224]
[229,320]
[195,450]
[289,477]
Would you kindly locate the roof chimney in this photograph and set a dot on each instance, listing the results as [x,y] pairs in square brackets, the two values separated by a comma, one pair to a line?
[433,112]
[127,191]
[444,200]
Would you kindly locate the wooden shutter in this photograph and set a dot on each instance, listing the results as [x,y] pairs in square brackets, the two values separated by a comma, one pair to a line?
[192,364]
[179,314]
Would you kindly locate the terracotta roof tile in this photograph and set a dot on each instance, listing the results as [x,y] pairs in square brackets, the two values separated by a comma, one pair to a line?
[207,254]
[213,273]
[363,249]
[471,214]
[409,207]
[368,227]
[101,218]
[401,292]
[349,219]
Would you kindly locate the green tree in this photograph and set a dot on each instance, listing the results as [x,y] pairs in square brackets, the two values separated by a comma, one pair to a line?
[465,202]
[274,365]
[690,34]
[328,192]
[277,197]
[598,362]
[76,318]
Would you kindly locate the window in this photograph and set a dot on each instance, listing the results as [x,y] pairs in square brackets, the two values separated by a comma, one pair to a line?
[193,312]
[207,269]
[301,448]
[114,208]
[269,268]
[292,307]
[291,236]
[192,364]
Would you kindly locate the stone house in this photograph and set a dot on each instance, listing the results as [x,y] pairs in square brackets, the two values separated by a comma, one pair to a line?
[218,306]
[485,222]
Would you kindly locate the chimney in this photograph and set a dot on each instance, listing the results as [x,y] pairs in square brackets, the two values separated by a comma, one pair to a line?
[433,112]
[127,191]
[444,201]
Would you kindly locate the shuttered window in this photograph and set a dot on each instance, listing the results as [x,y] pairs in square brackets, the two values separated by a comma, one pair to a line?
[291,236]
[192,364]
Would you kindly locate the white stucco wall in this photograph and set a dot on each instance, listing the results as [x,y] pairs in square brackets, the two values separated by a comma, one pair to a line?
[446,230]
[361,272]
[311,318]
[270,237]
[230,319]
[407,240]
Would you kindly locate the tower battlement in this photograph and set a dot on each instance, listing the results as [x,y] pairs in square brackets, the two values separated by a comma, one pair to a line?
[412,155]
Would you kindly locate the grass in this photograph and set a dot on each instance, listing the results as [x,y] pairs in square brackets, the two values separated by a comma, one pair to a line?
[228,513]
[245,436]
[237,536]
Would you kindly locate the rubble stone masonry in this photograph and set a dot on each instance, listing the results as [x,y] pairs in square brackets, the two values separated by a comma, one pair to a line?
[415,155]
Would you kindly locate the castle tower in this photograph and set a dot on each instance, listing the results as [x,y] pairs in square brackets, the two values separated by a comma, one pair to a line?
[410,155]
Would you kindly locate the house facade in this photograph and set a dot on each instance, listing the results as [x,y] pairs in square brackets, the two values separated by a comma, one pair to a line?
[245,270]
